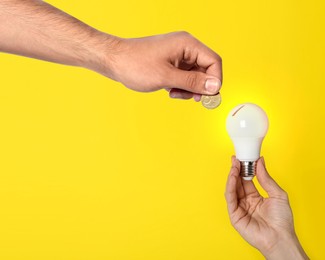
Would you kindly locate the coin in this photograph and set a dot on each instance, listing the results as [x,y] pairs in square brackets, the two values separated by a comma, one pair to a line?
[211,102]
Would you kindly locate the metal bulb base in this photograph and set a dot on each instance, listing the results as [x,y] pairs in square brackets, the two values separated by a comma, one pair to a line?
[247,170]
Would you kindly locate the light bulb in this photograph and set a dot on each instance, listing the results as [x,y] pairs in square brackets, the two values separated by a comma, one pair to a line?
[247,125]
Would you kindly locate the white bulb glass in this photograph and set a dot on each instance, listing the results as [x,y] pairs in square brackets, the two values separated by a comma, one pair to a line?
[247,125]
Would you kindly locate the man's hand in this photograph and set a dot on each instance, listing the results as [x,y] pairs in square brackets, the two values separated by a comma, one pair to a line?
[265,223]
[175,61]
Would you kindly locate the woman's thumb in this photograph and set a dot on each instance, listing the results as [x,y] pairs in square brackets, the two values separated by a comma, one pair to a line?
[267,182]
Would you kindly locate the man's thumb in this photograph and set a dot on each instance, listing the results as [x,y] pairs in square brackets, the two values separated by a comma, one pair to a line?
[194,81]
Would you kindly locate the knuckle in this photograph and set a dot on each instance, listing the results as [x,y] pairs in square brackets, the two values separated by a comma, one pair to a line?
[184,33]
[233,220]
[218,58]
[192,81]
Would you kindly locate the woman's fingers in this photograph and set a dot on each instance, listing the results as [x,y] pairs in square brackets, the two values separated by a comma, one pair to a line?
[231,188]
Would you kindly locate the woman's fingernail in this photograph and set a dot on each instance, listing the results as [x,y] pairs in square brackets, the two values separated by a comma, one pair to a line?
[212,86]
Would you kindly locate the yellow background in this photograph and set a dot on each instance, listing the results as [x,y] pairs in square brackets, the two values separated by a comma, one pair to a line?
[92,170]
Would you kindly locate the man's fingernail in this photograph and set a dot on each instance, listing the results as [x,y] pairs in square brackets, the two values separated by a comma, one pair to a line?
[197,97]
[172,95]
[212,86]
[175,95]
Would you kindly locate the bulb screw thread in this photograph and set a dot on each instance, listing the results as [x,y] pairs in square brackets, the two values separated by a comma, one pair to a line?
[247,169]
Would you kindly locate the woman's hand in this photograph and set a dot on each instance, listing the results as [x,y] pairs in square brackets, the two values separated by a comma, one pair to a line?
[265,223]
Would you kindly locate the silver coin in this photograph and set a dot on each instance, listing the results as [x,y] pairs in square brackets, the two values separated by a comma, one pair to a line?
[211,102]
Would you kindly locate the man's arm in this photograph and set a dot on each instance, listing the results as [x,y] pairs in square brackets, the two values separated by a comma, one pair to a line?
[38,30]
[175,61]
